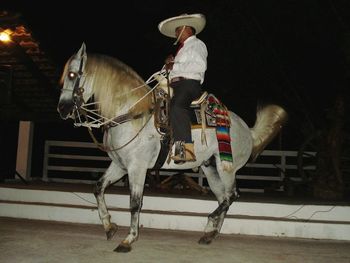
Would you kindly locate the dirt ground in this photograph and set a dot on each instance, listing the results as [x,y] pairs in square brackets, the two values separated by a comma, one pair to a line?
[52,242]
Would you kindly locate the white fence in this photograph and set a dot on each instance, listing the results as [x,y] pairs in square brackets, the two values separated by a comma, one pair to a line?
[83,162]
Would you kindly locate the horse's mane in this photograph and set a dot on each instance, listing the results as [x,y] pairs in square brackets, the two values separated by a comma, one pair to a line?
[116,86]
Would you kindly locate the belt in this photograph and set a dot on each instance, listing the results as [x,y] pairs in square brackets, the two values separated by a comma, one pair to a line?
[176,79]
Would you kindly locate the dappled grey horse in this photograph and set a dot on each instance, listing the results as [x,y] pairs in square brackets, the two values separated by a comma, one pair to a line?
[124,104]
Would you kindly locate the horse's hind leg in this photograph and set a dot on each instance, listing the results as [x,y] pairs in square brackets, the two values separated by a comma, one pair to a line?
[225,192]
[113,174]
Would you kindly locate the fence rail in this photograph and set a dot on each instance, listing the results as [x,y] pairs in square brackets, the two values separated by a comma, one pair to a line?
[83,162]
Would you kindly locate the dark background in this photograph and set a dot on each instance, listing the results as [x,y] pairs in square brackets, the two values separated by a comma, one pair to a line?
[280,51]
[291,52]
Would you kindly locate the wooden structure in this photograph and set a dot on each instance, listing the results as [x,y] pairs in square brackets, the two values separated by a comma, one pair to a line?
[27,75]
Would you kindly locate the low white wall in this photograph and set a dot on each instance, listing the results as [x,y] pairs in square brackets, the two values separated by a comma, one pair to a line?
[248,218]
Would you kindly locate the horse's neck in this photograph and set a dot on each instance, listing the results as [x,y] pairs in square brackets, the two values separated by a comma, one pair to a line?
[119,93]
[112,105]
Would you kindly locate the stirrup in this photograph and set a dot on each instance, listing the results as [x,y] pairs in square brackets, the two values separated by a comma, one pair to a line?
[179,153]
[200,99]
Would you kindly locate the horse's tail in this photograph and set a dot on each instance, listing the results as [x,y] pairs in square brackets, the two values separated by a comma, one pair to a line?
[269,121]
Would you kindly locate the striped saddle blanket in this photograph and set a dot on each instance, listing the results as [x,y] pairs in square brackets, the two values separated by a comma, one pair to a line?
[217,116]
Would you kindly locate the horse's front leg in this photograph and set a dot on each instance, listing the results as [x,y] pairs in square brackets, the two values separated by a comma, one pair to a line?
[113,174]
[137,177]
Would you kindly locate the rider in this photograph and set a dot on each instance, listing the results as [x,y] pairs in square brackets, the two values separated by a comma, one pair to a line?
[186,75]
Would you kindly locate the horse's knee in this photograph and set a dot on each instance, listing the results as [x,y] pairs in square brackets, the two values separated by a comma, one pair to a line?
[135,205]
[97,188]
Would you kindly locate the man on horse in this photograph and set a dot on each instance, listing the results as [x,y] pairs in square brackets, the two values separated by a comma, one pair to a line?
[186,75]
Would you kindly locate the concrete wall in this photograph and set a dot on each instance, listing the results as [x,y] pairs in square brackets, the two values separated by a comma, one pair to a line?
[246,218]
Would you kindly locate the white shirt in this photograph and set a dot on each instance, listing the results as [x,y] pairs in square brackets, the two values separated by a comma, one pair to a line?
[191,60]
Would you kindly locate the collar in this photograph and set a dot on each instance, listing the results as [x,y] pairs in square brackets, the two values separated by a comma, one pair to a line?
[189,39]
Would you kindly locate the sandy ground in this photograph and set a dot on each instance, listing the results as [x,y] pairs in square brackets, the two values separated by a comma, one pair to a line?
[24,240]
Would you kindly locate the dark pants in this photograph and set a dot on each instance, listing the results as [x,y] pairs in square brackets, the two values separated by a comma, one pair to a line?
[185,91]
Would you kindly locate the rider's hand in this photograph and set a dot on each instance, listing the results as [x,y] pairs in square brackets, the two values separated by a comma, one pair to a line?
[169,62]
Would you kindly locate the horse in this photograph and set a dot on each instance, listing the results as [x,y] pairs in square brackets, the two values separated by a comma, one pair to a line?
[125,104]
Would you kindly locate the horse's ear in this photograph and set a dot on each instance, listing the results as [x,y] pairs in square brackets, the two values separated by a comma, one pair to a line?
[82,56]
[82,51]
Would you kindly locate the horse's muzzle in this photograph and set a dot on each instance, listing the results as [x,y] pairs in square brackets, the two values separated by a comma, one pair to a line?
[65,109]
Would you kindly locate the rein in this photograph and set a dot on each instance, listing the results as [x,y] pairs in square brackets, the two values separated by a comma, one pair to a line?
[96,121]
[107,149]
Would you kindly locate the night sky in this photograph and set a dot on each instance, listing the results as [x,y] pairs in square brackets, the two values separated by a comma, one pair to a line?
[294,53]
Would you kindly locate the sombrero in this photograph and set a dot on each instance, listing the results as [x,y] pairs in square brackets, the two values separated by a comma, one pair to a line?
[167,27]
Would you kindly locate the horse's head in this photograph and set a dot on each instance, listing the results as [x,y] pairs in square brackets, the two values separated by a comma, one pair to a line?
[74,93]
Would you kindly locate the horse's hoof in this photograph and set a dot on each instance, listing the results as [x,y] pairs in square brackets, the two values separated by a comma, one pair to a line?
[111,231]
[207,238]
[204,240]
[123,247]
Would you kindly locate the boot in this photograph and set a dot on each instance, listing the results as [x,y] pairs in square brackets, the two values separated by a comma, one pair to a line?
[184,152]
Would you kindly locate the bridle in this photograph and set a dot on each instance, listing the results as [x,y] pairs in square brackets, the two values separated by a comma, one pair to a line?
[78,89]
[86,114]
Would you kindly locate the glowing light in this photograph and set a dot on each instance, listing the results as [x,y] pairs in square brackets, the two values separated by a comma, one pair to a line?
[5,36]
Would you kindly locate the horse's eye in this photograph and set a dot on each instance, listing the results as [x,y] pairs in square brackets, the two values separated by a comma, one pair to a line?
[71,75]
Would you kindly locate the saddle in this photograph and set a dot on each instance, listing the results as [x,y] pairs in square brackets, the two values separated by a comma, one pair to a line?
[201,109]
[207,112]
[162,96]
